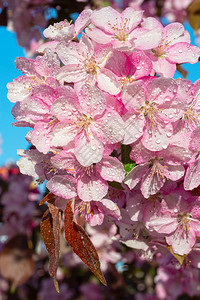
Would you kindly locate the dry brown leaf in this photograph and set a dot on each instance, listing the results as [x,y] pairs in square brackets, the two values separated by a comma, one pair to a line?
[81,244]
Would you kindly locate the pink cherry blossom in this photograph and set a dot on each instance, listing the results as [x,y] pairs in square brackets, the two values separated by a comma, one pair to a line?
[150,112]
[121,69]
[174,49]
[91,180]
[94,211]
[179,221]
[86,120]
[40,71]
[83,61]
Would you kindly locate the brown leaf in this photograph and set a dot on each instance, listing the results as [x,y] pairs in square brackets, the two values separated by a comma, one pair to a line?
[81,244]
[50,230]
[48,198]
[16,260]
[193,13]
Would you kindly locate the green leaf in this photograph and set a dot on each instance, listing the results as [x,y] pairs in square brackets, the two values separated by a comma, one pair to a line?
[128,167]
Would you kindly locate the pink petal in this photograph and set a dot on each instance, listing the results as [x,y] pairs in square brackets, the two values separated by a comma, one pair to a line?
[172,32]
[65,160]
[133,16]
[183,53]
[91,188]
[142,63]
[88,149]
[192,176]
[106,18]
[41,138]
[134,125]
[134,207]
[62,134]
[107,81]
[92,100]
[72,73]
[99,36]
[48,64]
[163,224]
[151,183]
[118,63]
[110,127]
[158,137]
[133,96]
[20,88]
[135,175]
[61,31]
[50,45]
[63,186]
[162,91]
[181,241]
[83,20]
[26,65]
[195,139]
[175,172]
[111,169]
[67,106]
[109,208]
[163,67]
[145,39]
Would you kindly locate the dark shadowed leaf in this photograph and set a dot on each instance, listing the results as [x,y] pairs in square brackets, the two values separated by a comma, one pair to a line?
[16,260]
[80,243]
[196,191]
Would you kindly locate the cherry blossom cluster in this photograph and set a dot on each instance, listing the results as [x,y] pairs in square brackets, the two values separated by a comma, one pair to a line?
[113,130]
[28,18]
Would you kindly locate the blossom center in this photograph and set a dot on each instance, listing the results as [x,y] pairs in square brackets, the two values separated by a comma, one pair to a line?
[160,51]
[191,116]
[157,168]
[121,30]
[149,110]
[184,220]
[91,65]
[84,122]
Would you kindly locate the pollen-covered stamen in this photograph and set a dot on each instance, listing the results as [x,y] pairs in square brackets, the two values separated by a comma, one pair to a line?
[192,116]
[154,200]
[87,170]
[126,79]
[54,120]
[184,221]
[160,51]
[150,110]
[63,24]
[157,168]
[37,80]
[90,64]
[83,208]
[121,30]
[83,122]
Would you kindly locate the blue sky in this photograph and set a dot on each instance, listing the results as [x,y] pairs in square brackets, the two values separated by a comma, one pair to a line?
[14,137]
